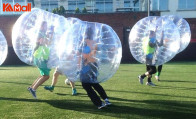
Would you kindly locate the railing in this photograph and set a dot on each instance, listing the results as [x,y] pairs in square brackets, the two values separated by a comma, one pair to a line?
[88,11]
[127,9]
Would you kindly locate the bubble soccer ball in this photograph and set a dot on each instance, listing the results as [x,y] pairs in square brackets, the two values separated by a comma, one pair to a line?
[3,48]
[154,40]
[183,28]
[35,35]
[93,55]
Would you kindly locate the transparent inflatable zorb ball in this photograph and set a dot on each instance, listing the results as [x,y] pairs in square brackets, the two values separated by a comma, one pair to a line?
[73,20]
[3,48]
[93,52]
[154,40]
[34,36]
[184,30]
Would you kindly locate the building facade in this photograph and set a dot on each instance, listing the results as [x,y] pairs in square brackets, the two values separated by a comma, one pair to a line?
[183,8]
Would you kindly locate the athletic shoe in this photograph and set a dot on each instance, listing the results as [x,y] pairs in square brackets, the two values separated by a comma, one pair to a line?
[107,102]
[140,79]
[150,84]
[50,88]
[28,88]
[102,106]
[157,78]
[33,92]
[74,91]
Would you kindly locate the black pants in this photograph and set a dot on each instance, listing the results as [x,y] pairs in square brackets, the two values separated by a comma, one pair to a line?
[159,68]
[151,69]
[92,94]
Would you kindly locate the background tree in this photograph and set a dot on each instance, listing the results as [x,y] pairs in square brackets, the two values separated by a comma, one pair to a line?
[77,10]
[54,11]
[58,10]
[84,10]
[61,10]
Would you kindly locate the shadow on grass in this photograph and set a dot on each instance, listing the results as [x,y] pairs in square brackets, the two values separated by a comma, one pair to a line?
[78,94]
[176,88]
[160,87]
[178,81]
[7,69]
[41,85]
[150,109]
[146,93]
[16,83]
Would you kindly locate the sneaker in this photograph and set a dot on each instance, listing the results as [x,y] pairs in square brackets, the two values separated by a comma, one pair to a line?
[33,92]
[107,103]
[102,106]
[150,84]
[50,88]
[157,78]
[140,79]
[28,88]
[74,91]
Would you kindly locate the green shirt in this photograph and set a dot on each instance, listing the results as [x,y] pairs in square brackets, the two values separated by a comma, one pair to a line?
[42,53]
[146,47]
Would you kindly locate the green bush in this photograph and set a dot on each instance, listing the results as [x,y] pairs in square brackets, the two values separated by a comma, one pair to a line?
[77,10]
[54,11]
[84,10]
[61,10]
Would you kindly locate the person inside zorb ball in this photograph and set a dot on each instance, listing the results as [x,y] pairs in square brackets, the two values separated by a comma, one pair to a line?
[35,34]
[42,51]
[153,42]
[96,53]
[3,48]
[88,64]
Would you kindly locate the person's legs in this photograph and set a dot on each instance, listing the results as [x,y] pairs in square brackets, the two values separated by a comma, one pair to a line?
[72,84]
[34,82]
[74,91]
[54,81]
[39,81]
[55,78]
[101,92]
[92,94]
[151,71]
[149,82]
[141,77]
[33,92]
[159,69]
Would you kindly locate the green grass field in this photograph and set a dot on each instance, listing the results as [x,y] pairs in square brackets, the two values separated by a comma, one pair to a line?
[173,98]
